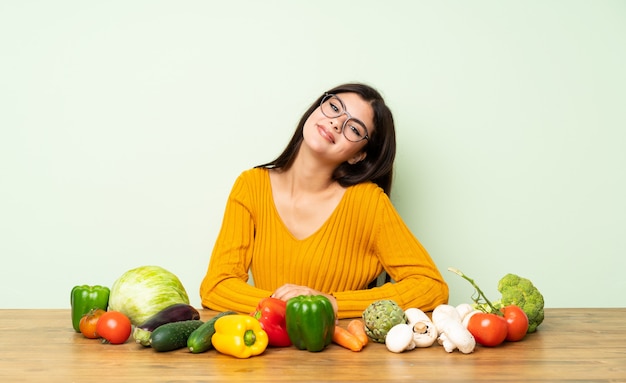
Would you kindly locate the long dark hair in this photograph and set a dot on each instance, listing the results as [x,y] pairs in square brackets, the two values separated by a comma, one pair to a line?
[380,148]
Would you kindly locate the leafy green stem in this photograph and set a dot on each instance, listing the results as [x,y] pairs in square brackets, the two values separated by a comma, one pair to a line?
[492,309]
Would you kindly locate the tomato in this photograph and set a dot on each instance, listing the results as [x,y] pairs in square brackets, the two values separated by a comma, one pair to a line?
[114,327]
[488,329]
[517,323]
[88,322]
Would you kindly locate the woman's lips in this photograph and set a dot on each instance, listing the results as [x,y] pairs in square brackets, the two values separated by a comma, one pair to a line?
[326,134]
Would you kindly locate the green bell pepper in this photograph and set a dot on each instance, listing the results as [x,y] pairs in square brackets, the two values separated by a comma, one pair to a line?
[85,298]
[310,321]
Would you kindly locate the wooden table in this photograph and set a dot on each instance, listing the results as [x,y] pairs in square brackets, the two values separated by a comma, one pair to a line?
[571,345]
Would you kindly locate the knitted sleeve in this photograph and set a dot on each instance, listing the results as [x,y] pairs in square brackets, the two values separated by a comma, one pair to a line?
[418,282]
[225,285]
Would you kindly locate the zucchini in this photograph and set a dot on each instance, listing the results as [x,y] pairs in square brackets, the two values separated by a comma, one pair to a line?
[174,313]
[172,336]
[200,340]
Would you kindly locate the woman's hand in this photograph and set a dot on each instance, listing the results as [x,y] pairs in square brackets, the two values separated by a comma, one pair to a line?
[288,291]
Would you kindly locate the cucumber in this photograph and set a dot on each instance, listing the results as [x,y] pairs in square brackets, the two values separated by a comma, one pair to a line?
[172,336]
[200,340]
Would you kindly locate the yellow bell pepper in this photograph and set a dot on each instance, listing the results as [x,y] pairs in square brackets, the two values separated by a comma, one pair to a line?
[240,336]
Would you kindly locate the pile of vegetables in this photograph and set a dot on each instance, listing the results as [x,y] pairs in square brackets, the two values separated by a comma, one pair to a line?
[151,304]
[521,305]
[141,293]
[489,324]
[154,302]
[518,312]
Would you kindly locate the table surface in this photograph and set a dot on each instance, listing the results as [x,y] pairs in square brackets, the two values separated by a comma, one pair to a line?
[571,345]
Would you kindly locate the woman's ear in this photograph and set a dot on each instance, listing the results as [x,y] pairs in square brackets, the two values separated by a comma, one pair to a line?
[360,156]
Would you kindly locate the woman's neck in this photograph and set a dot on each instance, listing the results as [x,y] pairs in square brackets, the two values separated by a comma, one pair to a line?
[308,174]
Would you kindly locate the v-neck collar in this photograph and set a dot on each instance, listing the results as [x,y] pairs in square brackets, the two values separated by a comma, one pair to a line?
[315,232]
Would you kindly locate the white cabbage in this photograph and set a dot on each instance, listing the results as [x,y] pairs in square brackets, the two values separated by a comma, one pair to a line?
[142,292]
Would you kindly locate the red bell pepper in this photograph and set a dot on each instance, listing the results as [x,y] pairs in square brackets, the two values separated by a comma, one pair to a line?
[270,312]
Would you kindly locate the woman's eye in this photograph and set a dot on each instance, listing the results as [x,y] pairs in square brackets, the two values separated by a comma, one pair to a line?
[356,130]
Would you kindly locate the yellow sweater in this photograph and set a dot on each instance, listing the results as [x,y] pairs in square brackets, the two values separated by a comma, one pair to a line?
[363,236]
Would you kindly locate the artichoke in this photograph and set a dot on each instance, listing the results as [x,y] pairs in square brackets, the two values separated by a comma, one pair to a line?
[380,316]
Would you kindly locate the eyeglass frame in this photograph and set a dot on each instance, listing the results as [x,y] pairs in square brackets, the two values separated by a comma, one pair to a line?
[328,96]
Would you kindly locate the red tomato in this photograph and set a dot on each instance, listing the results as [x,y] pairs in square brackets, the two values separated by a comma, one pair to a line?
[516,321]
[488,329]
[88,322]
[114,326]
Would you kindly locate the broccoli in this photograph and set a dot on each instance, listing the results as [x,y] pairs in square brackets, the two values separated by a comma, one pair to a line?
[521,292]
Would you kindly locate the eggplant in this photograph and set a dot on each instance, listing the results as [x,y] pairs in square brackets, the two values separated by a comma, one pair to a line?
[174,313]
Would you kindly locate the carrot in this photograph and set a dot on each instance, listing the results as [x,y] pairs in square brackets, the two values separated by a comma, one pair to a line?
[345,339]
[356,328]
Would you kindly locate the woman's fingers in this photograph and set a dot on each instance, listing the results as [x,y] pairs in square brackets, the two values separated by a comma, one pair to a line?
[288,291]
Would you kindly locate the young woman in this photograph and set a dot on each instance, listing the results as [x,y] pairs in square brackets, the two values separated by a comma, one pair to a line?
[318,219]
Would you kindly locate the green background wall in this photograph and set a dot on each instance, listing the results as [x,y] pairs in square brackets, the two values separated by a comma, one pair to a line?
[124,124]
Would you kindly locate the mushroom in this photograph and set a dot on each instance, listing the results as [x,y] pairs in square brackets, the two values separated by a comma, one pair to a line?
[424,331]
[452,333]
[466,311]
[400,338]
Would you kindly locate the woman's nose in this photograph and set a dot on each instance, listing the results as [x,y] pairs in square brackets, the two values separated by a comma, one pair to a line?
[335,124]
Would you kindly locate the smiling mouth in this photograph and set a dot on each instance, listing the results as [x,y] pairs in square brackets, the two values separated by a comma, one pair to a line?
[326,134]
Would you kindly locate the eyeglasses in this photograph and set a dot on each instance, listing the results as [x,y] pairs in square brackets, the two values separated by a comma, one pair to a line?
[353,129]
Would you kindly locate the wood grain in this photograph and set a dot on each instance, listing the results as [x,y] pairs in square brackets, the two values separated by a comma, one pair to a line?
[571,345]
